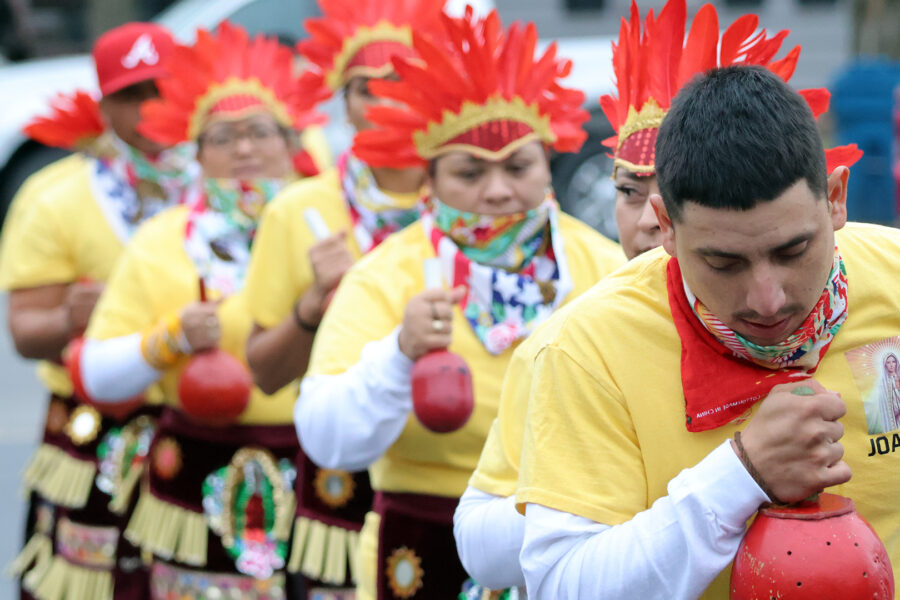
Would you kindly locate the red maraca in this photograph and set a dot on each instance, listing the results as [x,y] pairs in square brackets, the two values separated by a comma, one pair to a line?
[214,387]
[442,394]
[815,549]
[818,548]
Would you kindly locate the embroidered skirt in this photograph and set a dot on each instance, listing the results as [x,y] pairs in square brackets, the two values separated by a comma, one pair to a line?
[417,555]
[79,483]
[216,509]
[331,508]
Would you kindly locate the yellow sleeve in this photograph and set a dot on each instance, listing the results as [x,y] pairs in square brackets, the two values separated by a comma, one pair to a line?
[497,472]
[40,252]
[275,281]
[25,199]
[580,453]
[125,307]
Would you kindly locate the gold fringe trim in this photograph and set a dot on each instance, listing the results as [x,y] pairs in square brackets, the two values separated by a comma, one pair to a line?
[122,496]
[322,552]
[60,478]
[65,581]
[39,552]
[284,518]
[168,531]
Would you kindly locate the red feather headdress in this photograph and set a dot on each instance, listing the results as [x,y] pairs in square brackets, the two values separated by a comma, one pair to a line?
[225,75]
[359,37]
[74,123]
[651,67]
[478,89]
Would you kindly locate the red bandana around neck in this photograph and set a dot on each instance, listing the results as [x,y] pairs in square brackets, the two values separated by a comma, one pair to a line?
[718,386]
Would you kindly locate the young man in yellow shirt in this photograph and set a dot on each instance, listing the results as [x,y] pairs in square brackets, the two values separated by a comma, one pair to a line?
[634,481]
[488,530]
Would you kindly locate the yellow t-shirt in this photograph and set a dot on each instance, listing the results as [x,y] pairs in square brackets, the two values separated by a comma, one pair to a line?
[369,305]
[60,235]
[25,197]
[154,278]
[497,472]
[605,428]
[280,271]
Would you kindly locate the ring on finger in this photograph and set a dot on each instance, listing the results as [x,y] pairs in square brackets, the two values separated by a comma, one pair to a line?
[437,325]
[434,314]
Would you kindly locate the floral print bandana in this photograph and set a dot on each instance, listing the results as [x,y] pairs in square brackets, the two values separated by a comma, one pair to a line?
[517,286]
[131,186]
[805,347]
[375,214]
[221,226]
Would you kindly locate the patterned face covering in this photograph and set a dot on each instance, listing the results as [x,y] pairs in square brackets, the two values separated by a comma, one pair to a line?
[803,348]
[516,287]
[375,214]
[131,187]
[504,241]
[221,227]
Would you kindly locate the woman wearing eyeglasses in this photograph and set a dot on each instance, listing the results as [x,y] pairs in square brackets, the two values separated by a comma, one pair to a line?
[482,113]
[217,509]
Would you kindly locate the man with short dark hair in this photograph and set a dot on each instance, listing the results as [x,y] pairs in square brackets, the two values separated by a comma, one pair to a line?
[670,382]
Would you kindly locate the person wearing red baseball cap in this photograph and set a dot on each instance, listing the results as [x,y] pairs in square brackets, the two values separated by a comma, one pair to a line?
[216,507]
[74,219]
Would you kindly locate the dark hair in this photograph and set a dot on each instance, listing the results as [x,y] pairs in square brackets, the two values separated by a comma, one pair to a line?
[734,137]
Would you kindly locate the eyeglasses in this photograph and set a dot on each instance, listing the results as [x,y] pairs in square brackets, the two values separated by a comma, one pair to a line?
[226,137]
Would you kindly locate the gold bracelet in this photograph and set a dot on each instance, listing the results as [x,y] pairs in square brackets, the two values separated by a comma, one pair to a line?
[160,346]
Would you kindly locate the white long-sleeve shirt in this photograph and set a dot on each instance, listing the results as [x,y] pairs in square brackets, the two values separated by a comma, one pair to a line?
[489,534]
[348,421]
[672,550]
[115,369]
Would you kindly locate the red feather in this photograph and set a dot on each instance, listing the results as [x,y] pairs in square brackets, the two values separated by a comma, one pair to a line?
[213,59]
[818,100]
[700,50]
[73,123]
[470,61]
[842,156]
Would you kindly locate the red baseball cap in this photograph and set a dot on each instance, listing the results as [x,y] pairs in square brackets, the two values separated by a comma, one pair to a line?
[131,53]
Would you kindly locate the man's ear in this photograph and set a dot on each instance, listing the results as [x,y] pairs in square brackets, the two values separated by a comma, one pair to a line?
[665,223]
[837,196]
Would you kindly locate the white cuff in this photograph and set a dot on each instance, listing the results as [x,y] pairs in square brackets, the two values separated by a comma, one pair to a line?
[489,532]
[115,369]
[347,421]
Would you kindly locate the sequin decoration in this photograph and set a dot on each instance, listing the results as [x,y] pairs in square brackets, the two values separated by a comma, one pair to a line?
[87,545]
[83,425]
[171,583]
[334,487]
[404,572]
[166,461]
[242,502]
[121,451]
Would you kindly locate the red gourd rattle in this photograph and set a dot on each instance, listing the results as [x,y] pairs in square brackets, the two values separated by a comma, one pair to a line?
[214,387]
[818,548]
[441,380]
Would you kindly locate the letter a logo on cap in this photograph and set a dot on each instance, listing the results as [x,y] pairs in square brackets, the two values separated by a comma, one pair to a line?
[142,50]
